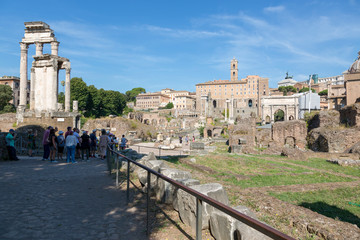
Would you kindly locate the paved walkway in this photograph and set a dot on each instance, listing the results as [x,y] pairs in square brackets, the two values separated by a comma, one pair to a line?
[43,200]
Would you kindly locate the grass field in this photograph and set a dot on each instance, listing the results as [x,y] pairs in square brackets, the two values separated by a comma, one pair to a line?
[342,203]
[256,171]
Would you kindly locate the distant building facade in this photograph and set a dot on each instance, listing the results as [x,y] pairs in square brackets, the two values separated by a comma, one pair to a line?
[239,97]
[14,83]
[184,102]
[151,100]
[352,82]
[292,107]
[155,100]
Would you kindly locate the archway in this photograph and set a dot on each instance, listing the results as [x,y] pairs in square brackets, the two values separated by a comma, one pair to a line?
[209,133]
[279,115]
[250,103]
[267,119]
[291,117]
[214,103]
[290,141]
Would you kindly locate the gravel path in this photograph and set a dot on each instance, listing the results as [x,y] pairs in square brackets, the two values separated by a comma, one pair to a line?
[43,200]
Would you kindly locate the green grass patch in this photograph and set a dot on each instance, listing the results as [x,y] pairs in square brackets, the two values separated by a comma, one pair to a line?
[248,165]
[285,179]
[331,203]
[321,163]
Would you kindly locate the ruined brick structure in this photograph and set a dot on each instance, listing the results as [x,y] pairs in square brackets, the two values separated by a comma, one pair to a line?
[291,133]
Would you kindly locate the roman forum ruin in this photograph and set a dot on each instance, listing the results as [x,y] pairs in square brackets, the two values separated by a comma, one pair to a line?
[44,77]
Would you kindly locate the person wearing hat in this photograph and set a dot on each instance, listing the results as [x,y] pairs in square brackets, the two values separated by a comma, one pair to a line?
[10,145]
[61,145]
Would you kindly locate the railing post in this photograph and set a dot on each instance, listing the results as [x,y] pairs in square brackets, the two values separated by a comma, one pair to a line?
[117,170]
[147,204]
[108,152]
[128,181]
[198,218]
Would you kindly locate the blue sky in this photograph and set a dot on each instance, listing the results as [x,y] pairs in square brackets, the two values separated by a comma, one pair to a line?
[120,45]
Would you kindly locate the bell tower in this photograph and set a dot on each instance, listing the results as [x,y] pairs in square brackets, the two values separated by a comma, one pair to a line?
[234,70]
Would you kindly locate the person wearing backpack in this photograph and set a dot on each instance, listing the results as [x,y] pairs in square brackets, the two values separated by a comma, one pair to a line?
[60,145]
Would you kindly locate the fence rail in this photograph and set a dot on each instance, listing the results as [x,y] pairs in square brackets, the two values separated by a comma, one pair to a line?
[113,159]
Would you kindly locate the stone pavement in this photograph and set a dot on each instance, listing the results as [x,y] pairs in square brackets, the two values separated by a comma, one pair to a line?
[43,200]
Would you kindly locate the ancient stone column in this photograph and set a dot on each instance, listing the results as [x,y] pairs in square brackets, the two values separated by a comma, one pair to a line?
[39,48]
[271,114]
[23,73]
[206,106]
[54,89]
[226,101]
[67,90]
[75,106]
[32,89]
[232,107]
[54,48]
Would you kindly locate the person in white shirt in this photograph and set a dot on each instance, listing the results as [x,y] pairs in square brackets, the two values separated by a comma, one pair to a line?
[71,142]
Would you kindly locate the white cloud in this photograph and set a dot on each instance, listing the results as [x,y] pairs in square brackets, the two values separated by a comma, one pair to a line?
[178,33]
[274,9]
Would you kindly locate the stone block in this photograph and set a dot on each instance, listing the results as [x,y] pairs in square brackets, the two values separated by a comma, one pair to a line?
[225,227]
[164,190]
[186,182]
[187,203]
[197,146]
[142,173]
[236,148]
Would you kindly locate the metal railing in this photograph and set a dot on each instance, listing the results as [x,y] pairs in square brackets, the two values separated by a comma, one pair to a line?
[113,159]
[21,145]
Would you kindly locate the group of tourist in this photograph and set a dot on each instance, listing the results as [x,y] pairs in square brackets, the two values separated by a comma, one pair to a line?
[75,145]
[55,142]
[187,139]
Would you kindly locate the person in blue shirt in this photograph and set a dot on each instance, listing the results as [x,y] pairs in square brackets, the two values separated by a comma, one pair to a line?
[10,145]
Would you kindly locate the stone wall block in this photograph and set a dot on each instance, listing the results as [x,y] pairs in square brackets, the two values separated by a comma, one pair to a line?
[164,190]
[225,227]
[187,203]
[186,182]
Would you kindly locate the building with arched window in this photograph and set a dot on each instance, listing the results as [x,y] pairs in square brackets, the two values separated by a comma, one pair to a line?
[239,97]
[14,83]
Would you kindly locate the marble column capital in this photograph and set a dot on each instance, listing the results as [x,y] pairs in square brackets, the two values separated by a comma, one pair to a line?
[24,46]
[39,44]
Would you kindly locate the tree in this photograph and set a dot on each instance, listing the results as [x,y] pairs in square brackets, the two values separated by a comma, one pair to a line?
[287,89]
[170,105]
[323,92]
[79,92]
[131,94]
[61,98]
[6,94]
[114,103]
[279,116]
[306,89]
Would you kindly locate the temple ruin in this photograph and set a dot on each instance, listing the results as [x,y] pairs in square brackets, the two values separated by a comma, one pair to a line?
[44,77]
